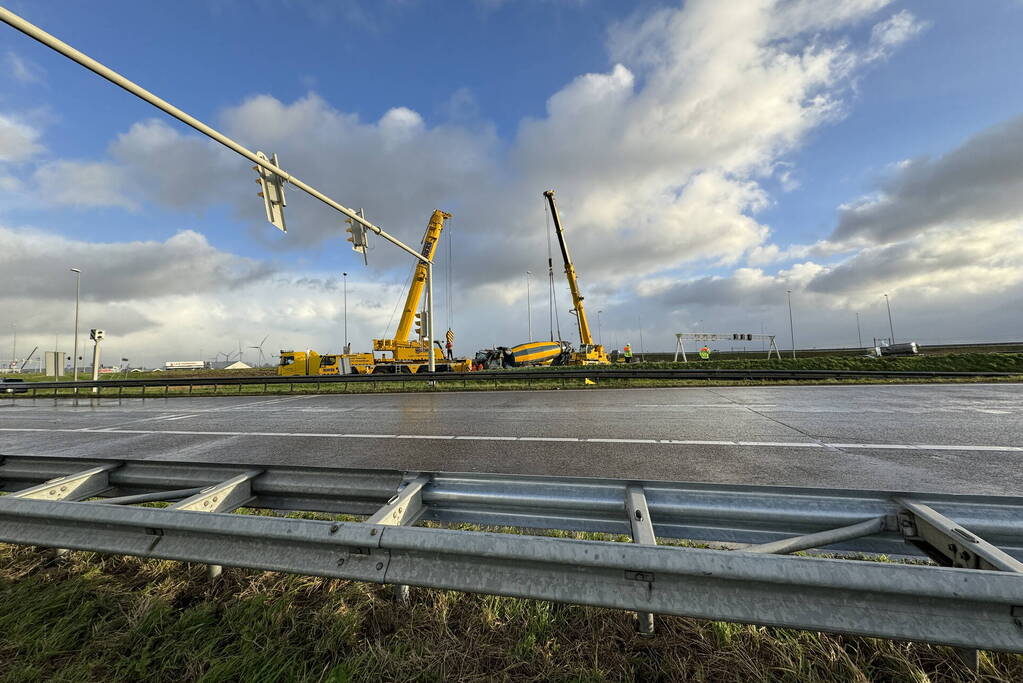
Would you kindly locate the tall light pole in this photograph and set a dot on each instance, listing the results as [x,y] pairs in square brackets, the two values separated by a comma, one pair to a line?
[14,345]
[600,334]
[859,337]
[792,328]
[639,319]
[345,279]
[529,310]
[78,293]
[891,328]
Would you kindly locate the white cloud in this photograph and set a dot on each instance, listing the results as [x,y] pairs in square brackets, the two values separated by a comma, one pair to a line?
[164,300]
[18,141]
[658,161]
[978,182]
[888,35]
[82,184]
[23,70]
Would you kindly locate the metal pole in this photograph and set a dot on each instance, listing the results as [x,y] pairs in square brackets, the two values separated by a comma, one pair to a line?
[14,345]
[529,314]
[891,328]
[641,352]
[78,291]
[792,329]
[859,337]
[345,277]
[33,31]
[429,316]
[95,365]
[600,331]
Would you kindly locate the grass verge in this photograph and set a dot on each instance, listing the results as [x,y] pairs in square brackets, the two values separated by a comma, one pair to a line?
[90,617]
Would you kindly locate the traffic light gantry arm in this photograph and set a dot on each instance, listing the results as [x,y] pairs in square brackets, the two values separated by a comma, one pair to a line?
[54,43]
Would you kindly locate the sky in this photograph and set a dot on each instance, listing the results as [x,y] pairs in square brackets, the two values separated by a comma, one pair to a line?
[709,158]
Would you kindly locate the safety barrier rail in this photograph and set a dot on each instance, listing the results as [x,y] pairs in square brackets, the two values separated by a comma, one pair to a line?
[972,597]
[523,375]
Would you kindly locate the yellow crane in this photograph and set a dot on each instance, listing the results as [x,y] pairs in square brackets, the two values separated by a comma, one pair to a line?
[588,352]
[410,354]
[400,353]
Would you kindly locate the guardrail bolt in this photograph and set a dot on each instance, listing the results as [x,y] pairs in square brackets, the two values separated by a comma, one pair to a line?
[380,565]
[333,530]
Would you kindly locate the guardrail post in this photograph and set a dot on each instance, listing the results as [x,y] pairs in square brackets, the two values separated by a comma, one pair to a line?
[405,508]
[950,544]
[642,533]
[226,496]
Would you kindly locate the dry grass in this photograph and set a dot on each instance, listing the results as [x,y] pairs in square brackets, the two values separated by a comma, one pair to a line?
[96,618]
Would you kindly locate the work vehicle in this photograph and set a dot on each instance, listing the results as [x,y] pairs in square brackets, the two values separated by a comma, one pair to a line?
[299,363]
[529,354]
[588,352]
[18,388]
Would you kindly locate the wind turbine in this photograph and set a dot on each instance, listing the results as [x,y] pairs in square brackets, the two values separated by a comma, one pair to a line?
[262,358]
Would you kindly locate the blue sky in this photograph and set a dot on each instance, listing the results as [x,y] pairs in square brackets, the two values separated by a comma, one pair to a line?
[480,105]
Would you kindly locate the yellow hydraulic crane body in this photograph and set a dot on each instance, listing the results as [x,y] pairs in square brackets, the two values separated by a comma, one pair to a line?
[410,354]
[588,353]
[406,355]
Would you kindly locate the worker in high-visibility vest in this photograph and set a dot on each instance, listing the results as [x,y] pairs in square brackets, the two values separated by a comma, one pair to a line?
[627,352]
[705,352]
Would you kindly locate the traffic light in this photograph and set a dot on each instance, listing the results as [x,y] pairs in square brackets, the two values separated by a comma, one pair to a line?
[271,189]
[420,325]
[357,235]
[736,336]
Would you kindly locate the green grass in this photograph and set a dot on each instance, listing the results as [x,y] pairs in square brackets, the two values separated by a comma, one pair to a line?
[96,618]
[953,362]
[520,379]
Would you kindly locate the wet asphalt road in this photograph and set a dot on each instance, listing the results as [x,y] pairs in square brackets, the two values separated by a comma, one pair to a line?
[964,438]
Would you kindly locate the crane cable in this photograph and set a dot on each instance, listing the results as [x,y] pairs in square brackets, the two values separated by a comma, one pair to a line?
[552,298]
[401,297]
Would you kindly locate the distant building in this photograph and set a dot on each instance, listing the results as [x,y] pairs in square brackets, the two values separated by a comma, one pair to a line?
[185,365]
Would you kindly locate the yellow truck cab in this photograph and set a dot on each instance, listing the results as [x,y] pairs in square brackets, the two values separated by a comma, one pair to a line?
[299,363]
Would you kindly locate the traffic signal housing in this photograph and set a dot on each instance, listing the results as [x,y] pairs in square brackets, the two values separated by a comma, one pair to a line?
[357,235]
[271,189]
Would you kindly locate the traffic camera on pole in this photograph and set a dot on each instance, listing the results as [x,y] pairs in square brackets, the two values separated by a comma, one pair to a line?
[357,236]
[272,191]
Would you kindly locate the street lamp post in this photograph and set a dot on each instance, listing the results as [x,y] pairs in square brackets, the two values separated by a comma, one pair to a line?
[529,312]
[345,279]
[891,328]
[78,292]
[14,345]
[600,333]
[792,328]
[859,337]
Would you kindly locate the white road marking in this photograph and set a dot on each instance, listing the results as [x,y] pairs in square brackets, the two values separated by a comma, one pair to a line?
[706,405]
[622,440]
[672,442]
[176,417]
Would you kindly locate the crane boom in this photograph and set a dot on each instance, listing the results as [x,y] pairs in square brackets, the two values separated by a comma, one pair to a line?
[585,338]
[415,291]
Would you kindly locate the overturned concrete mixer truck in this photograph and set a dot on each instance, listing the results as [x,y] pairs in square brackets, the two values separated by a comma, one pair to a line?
[525,355]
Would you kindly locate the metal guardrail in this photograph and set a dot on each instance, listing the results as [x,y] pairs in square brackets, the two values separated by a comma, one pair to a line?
[526,375]
[974,601]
